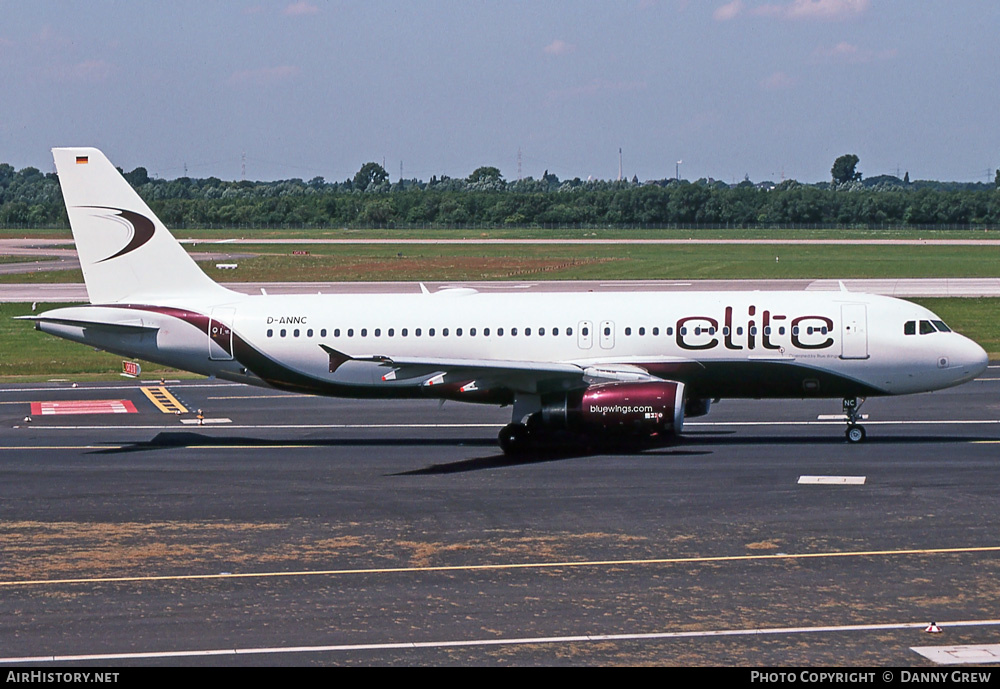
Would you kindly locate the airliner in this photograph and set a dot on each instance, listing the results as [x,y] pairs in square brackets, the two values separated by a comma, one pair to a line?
[613,367]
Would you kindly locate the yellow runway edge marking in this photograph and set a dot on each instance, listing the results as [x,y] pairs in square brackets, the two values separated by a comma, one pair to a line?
[512,566]
[163,400]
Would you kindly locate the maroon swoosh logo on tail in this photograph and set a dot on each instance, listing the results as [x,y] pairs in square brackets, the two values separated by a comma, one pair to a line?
[140,227]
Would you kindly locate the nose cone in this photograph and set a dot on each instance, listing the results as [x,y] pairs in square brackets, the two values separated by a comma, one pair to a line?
[968,359]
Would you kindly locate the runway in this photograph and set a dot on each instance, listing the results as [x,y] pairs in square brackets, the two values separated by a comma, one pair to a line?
[296,530]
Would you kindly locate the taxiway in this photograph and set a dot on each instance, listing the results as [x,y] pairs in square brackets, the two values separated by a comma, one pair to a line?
[297,530]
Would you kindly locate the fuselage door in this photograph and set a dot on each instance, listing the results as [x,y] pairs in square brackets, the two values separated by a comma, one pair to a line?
[585,335]
[854,331]
[607,334]
[220,334]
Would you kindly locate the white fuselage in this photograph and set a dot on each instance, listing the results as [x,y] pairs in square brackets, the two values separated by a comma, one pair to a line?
[721,344]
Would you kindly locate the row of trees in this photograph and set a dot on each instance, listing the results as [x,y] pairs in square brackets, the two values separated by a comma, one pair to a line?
[31,198]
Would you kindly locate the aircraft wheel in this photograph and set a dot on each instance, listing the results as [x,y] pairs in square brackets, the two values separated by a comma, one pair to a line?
[855,434]
[513,439]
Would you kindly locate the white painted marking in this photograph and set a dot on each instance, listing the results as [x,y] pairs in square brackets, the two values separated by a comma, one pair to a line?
[832,480]
[480,286]
[636,283]
[957,655]
[838,417]
[516,641]
[205,422]
[119,387]
[687,424]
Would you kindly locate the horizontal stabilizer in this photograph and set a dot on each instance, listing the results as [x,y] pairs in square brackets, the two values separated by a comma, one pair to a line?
[123,326]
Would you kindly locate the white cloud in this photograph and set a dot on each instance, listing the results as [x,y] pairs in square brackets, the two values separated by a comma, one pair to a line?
[728,11]
[297,9]
[850,53]
[558,47]
[826,10]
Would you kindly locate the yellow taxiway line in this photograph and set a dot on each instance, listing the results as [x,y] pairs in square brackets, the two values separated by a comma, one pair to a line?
[510,566]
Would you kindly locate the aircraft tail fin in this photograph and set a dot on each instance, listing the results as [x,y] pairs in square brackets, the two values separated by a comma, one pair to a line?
[126,253]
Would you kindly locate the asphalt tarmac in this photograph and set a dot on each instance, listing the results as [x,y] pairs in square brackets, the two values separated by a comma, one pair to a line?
[290,530]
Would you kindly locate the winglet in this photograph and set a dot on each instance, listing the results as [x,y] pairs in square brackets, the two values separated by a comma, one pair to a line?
[337,359]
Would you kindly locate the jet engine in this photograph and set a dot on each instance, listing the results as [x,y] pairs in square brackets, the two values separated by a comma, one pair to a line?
[651,408]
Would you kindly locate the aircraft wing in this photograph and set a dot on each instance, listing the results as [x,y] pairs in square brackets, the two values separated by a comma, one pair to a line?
[533,377]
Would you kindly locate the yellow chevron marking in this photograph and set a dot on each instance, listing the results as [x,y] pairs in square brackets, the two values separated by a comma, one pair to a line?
[164,401]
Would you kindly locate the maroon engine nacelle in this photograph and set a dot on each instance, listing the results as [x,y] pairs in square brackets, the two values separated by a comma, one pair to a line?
[645,408]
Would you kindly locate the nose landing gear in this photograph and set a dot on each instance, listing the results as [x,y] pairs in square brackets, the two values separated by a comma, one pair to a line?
[852,410]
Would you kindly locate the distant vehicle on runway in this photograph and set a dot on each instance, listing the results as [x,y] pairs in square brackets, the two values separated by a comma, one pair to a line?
[620,367]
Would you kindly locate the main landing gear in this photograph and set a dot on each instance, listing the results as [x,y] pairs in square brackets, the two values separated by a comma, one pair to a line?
[514,439]
[852,409]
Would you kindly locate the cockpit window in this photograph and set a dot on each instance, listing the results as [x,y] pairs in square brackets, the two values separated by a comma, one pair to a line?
[926,327]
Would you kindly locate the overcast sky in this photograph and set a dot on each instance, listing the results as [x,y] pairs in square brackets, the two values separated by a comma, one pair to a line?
[767,88]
